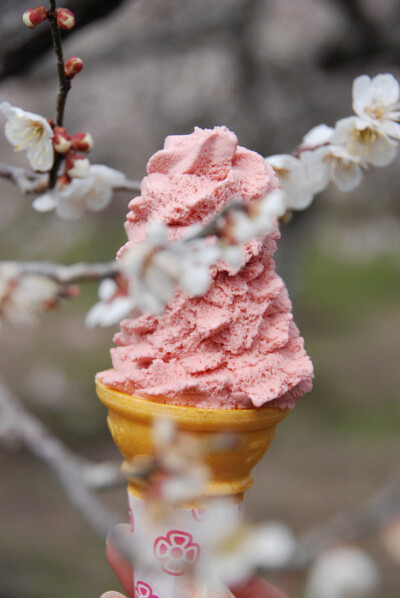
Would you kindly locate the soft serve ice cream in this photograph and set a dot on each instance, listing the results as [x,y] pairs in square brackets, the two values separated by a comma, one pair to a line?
[237,346]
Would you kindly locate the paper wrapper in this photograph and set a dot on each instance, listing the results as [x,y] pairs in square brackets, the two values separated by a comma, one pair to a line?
[178,542]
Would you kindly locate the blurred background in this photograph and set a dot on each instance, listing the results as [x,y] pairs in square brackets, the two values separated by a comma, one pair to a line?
[269,70]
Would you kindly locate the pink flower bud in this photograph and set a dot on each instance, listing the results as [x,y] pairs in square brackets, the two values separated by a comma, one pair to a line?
[73,66]
[82,142]
[34,16]
[63,181]
[77,166]
[61,140]
[65,18]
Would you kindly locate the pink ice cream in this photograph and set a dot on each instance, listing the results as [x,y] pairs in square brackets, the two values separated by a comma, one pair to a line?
[237,346]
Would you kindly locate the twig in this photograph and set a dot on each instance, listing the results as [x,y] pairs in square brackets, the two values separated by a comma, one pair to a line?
[25,179]
[376,512]
[20,47]
[77,476]
[64,83]
[67,274]
[129,186]
[29,182]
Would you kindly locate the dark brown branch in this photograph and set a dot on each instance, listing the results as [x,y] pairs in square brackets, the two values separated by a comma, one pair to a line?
[22,47]
[64,83]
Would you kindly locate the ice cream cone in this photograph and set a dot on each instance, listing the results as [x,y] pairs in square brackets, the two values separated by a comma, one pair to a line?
[130,421]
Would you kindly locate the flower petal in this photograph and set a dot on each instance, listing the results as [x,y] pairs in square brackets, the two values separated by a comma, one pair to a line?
[45,203]
[387,87]
[361,94]
[319,135]
[347,176]
[41,155]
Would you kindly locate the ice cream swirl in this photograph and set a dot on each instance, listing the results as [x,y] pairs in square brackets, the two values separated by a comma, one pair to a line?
[237,346]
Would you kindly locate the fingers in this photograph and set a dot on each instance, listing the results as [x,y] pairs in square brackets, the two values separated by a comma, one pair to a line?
[119,563]
[257,588]
[122,567]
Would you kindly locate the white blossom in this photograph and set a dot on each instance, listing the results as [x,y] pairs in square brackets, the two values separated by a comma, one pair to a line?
[343,169]
[235,550]
[299,179]
[155,267]
[78,167]
[377,102]
[293,180]
[343,572]
[24,296]
[111,308]
[30,132]
[364,141]
[319,135]
[181,459]
[259,220]
[92,193]
[177,472]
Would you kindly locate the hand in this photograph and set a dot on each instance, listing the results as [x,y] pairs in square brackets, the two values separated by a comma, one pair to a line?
[255,588]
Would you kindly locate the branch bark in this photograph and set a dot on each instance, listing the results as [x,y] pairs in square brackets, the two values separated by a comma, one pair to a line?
[67,274]
[77,476]
[29,182]
[25,179]
[22,47]
[376,512]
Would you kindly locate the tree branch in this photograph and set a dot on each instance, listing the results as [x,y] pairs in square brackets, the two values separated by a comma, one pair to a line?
[67,274]
[29,182]
[77,476]
[64,83]
[25,179]
[21,47]
[376,512]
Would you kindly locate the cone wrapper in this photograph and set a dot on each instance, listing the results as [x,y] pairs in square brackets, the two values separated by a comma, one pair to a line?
[171,553]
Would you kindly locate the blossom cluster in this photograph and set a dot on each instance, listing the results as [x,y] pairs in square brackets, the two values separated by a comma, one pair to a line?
[80,186]
[24,296]
[148,273]
[152,270]
[340,154]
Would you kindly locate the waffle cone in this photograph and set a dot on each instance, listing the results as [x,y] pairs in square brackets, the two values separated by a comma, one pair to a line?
[130,420]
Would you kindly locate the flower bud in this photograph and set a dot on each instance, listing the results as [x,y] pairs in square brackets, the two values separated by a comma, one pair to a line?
[61,140]
[65,18]
[34,16]
[73,66]
[82,142]
[77,166]
[62,182]
[70,291]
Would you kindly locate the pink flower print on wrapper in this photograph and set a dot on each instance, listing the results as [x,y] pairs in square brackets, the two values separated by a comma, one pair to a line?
[176,551]
[199,514]
[143,590]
